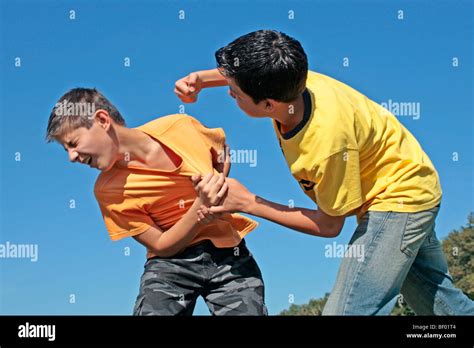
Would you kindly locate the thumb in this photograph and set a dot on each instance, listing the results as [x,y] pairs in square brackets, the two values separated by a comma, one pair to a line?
[217,209]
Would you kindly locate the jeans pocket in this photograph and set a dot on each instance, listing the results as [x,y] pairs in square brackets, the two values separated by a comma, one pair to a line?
[418,228]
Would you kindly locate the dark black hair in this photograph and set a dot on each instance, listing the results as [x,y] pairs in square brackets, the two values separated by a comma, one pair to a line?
[265,64]
[76,108]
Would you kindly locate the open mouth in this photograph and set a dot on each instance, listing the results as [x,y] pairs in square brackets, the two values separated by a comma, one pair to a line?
[88,160]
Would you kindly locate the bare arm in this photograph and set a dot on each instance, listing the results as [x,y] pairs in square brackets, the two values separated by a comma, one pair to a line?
[211,78]
[176,238]
[314,222]
[188,87]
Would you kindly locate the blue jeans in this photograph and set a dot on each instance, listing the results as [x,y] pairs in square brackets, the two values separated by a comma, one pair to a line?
[401,255]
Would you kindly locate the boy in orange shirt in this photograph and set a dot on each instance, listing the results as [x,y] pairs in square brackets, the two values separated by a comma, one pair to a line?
[144,191]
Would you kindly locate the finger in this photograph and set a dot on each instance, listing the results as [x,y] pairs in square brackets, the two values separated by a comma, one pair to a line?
[210,216]
[214,180]
[223,198]
[182,86]
[218,194]
[202,184]
[196,178]
[206,219]
[220,180]
[222,191]
[207,213]
[185,98]
[207,181]
[200,215]
[207,178]
[215,185]
[178,92]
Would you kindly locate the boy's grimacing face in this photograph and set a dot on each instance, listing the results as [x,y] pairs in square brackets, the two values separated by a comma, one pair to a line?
[93,146]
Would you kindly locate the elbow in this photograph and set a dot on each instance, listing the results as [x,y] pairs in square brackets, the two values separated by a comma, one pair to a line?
[325,232]
[163,250]
[334,227]
[164,253]
[161,253]
[335,231]
[328,232]
[338,224]
[329,226]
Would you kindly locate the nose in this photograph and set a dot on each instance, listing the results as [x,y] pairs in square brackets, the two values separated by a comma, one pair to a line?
[73,155]
[231,93]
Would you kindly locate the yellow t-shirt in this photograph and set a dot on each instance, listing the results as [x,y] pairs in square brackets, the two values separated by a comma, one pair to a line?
[350,155]
[133,199]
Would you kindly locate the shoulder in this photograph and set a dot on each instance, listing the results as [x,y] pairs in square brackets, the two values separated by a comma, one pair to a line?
[332,125]
[162,124]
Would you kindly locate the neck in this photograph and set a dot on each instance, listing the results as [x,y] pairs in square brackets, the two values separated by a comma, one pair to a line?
[134,145]
[289,115]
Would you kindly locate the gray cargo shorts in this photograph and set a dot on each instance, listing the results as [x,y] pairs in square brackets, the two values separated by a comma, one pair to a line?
[228,279]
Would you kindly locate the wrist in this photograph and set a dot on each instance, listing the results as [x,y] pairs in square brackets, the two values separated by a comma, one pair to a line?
[197,204]
[202,76]
[211,78]
[249,204]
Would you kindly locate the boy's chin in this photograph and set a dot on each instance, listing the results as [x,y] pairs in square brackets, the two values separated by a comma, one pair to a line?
[105,168]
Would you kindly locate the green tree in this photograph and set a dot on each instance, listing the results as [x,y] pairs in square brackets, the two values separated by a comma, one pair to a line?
[313,307]
[459,250]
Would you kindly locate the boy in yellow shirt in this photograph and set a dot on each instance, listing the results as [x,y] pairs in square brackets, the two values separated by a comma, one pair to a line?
[144,191]
[351,157]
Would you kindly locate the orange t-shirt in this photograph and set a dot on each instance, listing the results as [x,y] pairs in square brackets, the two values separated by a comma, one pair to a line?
[133,199]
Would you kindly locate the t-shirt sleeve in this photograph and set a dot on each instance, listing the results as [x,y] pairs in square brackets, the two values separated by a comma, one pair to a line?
[123,216]
[214,138]
[337,183]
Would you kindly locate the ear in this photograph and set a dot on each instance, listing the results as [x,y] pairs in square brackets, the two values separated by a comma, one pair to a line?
[270,105]
[102,118]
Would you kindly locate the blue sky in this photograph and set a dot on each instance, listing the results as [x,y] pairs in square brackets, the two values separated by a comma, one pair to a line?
[408,60]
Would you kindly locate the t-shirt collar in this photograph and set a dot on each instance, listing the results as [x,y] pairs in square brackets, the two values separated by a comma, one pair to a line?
[306,117]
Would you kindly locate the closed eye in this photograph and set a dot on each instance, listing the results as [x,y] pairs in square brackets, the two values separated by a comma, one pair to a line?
[70,145]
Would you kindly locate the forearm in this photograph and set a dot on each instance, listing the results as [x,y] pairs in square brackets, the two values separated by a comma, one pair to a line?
[211,78]
[181,234]
[301,219]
